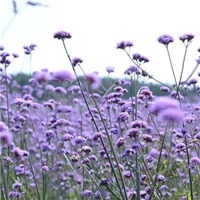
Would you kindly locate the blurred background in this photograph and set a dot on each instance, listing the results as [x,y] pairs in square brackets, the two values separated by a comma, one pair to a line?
[96,27]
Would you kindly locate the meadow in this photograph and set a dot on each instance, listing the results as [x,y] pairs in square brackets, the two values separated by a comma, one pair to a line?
[66,138]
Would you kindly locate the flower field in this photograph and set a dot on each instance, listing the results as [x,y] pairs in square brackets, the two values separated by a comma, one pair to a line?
[66,138]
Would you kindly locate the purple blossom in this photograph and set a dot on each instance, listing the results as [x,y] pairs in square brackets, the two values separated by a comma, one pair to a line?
[16,185]
[5,134]
[93,80]
[195,161]
[1,48]
[171,115]
[192,81]
[133,132]
[198,60]
[61,76]
[187,37]
[29,49]
[124,44]
[110,69]
[164,89]
[76,61]
[132,69]
[160,177]
[139,58]
[165,39]
[162,103]
[123,116]
[62,35]
[120,142]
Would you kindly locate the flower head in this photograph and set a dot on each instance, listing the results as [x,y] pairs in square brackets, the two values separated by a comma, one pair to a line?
[61,76]
[5,134]
[62,35]
[165,39]
[162,103]
[93,80]
[140,58]
[124,44]
[187,37]
[168,109]
[110,69]
[195,161]
[76,61]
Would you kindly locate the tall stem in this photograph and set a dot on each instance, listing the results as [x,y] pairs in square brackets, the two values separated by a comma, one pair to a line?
[172,68]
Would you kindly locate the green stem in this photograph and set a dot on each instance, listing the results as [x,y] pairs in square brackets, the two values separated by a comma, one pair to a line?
[189,171]
[158,164]
[172,68]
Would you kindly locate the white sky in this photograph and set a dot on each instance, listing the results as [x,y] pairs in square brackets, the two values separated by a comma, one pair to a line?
[96,27]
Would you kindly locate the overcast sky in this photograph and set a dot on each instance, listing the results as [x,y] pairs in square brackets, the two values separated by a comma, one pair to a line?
[96,27]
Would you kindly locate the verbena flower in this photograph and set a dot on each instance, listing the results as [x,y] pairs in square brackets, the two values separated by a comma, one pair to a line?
[198,60]
[171,115]
[29,49]
[124,44]
[132,69]
[139,58]
[5,134]
[187,37]
[110,69]
[93,80]
[162,103]
[165,39]
[61,76]
[195,161]
[76,61]
[62,35]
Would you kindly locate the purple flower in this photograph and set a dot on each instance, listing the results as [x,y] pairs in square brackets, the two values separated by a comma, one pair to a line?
[132,69]
[124,44]
[1,48]
[62,35]
[41,76]
[5,134]
[171,115]
[164,89]
[198,60]
[15,55]
[110,69]
[79,140]
[120,142]
[162,103]
[76,61]
[86,149]
[160,177]
[139,58]
[147,138]
[93,80]
[154,153]
[133,132]
[168,109]
[187,37]
[195,161]
[165,39]
[45,168]
[61,76]
[16,185]
[123,116]
[15,195]
[192,81]
[29,49]
[139,124]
